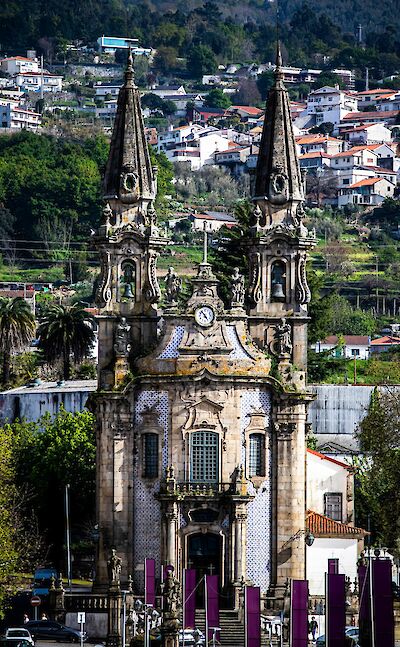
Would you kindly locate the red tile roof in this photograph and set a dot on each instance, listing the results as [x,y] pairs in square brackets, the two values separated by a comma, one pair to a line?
[377,91]
[314,154]
[321,526]
[369,181]
[386,341]
[311,139]
[324,457]
[351,151]
[249,109]
[360,116]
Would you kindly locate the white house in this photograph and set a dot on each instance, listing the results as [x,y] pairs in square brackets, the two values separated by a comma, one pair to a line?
[110,44]
[318,142]
[329,104]
[389,102]
[195,144]
[371,191]
[211,220]
[370,98]
[330,519]
[33,81]
[13,116]
[368,134]
[103,89]
[354,346]
[163,91]
[357,156]
[17,64]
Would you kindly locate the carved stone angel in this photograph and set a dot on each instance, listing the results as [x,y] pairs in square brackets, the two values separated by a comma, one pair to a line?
[283,339]
[237,289]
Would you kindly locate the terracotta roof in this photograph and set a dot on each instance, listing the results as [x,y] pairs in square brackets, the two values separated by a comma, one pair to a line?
[351,151]
[369,181]
[310,139]
[359,116]
[324,457]
[363,127]
[250,109]
[321,526]
[377,91]
[386,341]
[314,154]
[358,340]
[365,147]
[380,169]
[18,58]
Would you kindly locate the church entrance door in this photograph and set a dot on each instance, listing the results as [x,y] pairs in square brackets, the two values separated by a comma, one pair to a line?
[204,555]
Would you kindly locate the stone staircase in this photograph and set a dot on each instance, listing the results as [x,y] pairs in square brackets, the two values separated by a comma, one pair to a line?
[232,630]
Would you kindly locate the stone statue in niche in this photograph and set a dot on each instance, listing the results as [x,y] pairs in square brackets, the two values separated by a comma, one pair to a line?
[283,339]
[114,568]
[128,281]
[173,287]
[237,289]
[122,344]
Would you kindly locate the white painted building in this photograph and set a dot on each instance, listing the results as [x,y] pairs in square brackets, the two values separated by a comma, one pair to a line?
[318,142]
[33,81]
[354,346]
[18,64]
[368,134]
[330,519]
[192,143]
[104,89]
[164,91]
[357,156]
[211,220]
[110,44]
[14,117]
[328,104]
[371,191]
[370,98]
[389,103]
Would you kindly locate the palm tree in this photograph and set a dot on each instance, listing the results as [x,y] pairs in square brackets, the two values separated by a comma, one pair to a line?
[17,329]
[66,331]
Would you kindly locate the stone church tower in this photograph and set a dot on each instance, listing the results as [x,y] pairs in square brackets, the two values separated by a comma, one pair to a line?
[201,410]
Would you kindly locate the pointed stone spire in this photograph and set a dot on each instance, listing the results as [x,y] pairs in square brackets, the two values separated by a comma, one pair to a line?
[130,177]
[278,180]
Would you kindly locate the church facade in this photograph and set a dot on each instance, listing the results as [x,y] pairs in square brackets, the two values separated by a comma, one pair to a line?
[201,409]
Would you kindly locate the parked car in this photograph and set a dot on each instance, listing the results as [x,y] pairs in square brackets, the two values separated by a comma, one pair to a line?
[350,641]
[16,636]
[49,630]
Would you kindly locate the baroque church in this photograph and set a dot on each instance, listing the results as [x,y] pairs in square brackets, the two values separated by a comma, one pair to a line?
[201,410]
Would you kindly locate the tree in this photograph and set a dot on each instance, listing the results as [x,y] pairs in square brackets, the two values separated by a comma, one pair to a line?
[17,329]
[66,332]
[19,547]
[217,98]
[333,315]
[165,59]
[248,93]
[378,480]
[264,83]
[326,128]
[328,78]
[48,455]
[201,60]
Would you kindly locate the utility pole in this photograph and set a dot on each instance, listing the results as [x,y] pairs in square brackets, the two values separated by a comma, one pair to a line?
[68,535]
[376,289]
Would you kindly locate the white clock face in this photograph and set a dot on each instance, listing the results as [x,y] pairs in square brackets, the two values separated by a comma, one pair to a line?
[204,316]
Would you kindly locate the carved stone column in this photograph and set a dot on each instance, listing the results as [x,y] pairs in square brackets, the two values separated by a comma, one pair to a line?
[171,516]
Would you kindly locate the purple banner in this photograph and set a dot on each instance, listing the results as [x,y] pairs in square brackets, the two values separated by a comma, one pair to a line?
[383,602]
[150,581]
[189,598]
[299,614]
[252,616]
[364,616]
[335,596]
[212,606]
[333,566]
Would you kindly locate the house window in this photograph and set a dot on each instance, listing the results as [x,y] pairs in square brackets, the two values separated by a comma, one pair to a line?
[256,455]
[333,506]
[355,352]
[150,455]
[204,457]
[346,181]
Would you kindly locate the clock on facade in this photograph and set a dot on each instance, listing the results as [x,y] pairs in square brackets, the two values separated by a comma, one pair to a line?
[204,316]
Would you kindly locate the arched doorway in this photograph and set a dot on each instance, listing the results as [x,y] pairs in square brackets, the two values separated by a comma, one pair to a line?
[204,554]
